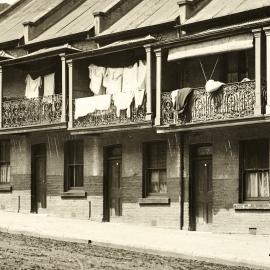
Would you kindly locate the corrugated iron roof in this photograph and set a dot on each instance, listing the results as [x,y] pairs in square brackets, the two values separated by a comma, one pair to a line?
[11,23]
[146,13]
[221,8]
[40,54]
[79,20]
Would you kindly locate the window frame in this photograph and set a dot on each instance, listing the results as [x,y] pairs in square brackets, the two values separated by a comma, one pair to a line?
[147,169]
[244,171]
[5,162]
[73,164]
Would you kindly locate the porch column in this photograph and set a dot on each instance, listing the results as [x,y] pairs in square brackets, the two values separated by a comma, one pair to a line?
[148,82]
[267,33]
[1,95]
[158,86]
[70,88]
[258,71]
[64,87]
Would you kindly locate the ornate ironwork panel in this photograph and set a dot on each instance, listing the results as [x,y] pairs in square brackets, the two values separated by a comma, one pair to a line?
[109,117]
[234,100]
[23,112]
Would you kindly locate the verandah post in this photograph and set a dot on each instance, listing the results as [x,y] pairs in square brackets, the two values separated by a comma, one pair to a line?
[258,71]
[64,92]
[70,88]
[148,51]
[158,86]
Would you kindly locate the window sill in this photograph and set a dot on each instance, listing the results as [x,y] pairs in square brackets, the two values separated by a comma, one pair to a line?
[158,200]
[251,206]
[5,188]
[74,194]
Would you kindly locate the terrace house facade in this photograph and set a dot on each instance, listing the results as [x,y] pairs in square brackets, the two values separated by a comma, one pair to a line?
[139,111]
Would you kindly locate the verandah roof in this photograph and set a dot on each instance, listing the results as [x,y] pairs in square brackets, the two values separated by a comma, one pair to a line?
[221,45]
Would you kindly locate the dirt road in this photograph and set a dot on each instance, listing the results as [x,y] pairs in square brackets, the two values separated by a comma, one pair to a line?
[23,252]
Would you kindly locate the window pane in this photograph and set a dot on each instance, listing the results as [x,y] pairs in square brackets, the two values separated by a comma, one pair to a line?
[71,176]
[154,182]
[79,176]
[5,151]
[157,155]
[4,174]
[256,154]
[264,185]
[163,181]
[74,163]
[158,181]
[257,185]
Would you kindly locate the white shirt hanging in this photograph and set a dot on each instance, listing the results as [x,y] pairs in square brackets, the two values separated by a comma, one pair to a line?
[32,87]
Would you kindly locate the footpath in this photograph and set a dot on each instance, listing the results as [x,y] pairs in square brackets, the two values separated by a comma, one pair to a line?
[235,249]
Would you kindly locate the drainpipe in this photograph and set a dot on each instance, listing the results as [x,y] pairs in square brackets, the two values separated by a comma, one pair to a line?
[182,180]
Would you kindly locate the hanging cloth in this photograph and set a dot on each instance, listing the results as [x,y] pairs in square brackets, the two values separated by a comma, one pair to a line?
[141,80]
[49,84]
[130,77]
[113,80]
[122,101]
[84,106]
[211,85]
[180,97]
[32,87]
[139,92]
[96,74]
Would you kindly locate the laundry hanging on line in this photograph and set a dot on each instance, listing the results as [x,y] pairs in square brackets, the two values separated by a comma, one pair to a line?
[122,101]
[87,105]
[212,86]
[32,87]
[180,97]
[96,75]
[49,84]
[113,80]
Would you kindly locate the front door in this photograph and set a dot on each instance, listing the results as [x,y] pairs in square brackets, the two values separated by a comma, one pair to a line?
[113,179]
[39,182]
[204,193]
[201,191]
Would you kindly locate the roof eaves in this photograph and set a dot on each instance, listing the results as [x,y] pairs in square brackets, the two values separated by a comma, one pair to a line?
[9,44]
[38,56]
[110,49]
[135,31]
[213,34]
[57,40]
[215,20]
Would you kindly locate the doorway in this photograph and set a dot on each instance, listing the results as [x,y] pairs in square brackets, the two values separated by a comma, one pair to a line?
[112,182]
[201,188]
[38,179]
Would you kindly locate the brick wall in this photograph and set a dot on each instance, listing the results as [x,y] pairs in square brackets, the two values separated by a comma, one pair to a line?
[225,174]
[20,170]
[132,180]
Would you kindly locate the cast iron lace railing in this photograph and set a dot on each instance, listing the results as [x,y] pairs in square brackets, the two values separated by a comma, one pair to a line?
[22,112]
[109,117]
[234,100]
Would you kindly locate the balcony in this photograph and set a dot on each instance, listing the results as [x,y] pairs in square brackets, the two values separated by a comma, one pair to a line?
[109,118]
[232,101]
[23,112]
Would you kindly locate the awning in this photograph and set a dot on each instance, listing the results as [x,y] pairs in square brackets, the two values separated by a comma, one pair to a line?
[222,45]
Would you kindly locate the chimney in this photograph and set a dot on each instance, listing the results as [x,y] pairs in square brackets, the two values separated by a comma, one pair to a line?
[99,22]
[114,12]
[28,28]
[186,7]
